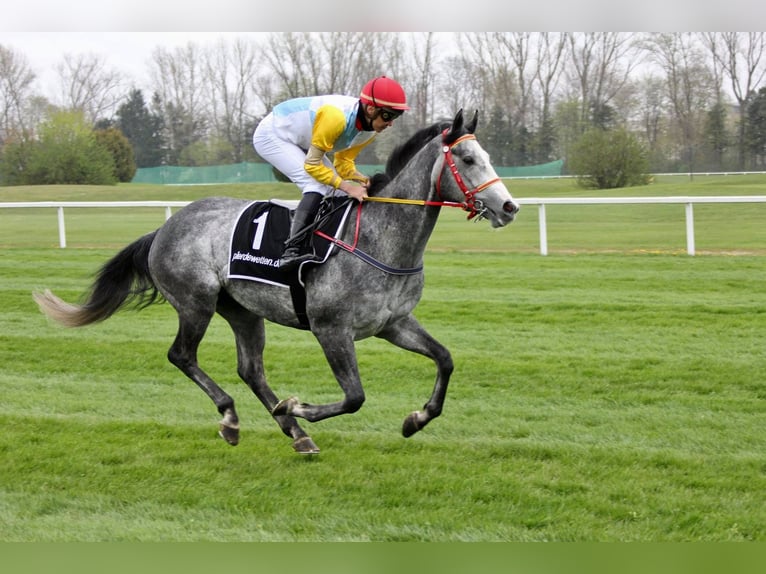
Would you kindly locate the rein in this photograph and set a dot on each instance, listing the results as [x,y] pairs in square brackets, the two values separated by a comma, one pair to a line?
[471,205]
[415,202]
[354,250]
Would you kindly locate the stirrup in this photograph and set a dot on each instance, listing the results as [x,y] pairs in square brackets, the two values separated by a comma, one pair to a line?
[292,257]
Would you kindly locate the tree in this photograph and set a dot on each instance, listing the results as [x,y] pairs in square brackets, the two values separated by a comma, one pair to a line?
[118,145]
[230,72]
[67,152]
[212,151]
[142,128]
[742,56]
[88,86]
[309,64]
[690,87]
[537,92]
[551,50]
[518,47]
[496,136]
[610,159]
[567,119]
[600,65]
[291,57]
[651,112]
[15,84]
[756,128]
[181,97]
[488,65]
[344,54]
[14,159]
[423,63]
[716,140]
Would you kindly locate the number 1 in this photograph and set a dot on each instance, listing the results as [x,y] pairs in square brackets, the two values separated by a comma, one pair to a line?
[260,221]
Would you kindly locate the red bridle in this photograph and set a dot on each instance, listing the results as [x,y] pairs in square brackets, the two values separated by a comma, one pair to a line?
[469,205]
[470,199]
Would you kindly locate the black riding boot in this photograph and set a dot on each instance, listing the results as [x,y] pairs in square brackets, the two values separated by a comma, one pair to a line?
[298,245]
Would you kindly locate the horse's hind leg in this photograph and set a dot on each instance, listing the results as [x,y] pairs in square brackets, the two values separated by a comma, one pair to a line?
[250,336]
[408,334]
[183,354]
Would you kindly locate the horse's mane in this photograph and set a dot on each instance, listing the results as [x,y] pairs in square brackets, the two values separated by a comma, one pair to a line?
[403,153]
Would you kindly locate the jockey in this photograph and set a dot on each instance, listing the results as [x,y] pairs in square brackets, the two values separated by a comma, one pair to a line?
[296,136]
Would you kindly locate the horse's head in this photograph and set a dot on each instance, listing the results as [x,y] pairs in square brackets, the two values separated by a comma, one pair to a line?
[467,176]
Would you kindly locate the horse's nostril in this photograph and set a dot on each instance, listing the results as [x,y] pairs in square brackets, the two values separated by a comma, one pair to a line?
[510,207]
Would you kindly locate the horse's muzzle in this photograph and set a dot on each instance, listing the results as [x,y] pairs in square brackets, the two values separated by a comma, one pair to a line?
[511,207]
[502,218]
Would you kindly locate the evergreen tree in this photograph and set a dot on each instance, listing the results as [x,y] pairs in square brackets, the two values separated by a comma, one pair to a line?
[522,147]
[755,128]
[544,142]
[496,136]
[143,129]
[716,137]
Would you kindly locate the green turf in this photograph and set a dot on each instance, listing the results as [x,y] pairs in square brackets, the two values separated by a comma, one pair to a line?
[598,395]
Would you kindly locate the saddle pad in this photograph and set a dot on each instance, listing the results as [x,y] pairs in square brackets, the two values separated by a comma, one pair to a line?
[258,238]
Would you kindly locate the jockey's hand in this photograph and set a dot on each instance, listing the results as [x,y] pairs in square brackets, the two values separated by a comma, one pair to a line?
[353,189]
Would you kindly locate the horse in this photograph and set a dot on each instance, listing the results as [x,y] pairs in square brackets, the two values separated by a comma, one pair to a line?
[348,297]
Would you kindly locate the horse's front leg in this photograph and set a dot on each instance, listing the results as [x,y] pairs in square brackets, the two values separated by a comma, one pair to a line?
[338,347]
[408,334]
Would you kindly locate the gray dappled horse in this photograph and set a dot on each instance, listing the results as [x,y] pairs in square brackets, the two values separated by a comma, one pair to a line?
[347,298]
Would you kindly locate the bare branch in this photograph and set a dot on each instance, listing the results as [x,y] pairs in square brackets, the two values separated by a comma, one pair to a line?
[15,83]
[87,85]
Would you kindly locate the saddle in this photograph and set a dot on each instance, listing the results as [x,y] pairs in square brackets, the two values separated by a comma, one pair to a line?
[257,240]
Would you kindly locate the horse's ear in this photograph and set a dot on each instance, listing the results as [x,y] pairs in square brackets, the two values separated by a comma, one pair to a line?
[457,123]
[471,127]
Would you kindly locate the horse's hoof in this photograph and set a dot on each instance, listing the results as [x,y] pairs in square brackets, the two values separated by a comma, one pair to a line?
[229,434]
[411,425]
[284,407]
[305,445]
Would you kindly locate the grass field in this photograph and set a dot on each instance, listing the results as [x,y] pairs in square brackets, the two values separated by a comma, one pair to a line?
[612,391]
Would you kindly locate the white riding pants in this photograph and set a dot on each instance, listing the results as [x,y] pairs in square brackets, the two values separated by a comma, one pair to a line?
[287,158]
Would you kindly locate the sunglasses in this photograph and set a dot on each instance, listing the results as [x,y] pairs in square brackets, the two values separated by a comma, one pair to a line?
[389,115]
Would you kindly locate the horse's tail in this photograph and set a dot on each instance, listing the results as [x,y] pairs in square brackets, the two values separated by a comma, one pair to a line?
[122,280]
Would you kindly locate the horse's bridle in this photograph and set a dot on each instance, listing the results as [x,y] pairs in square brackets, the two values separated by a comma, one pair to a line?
[472,205]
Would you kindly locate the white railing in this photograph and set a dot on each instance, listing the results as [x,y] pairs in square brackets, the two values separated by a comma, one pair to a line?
[60,205]
[689,201]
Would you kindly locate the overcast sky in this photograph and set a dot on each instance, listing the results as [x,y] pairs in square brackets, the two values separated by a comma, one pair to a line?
[127,52]
[389,15]
[126,32]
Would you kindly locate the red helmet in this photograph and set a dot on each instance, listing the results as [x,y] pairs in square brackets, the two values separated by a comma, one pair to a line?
[383,92]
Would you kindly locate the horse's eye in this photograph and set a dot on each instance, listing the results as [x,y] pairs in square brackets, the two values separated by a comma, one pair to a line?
[468,160]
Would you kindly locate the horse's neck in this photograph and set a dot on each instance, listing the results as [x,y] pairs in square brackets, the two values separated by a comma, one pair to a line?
[401,231]
[414,181]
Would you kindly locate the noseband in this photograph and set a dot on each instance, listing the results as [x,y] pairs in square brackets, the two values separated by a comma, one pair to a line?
[472,205]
